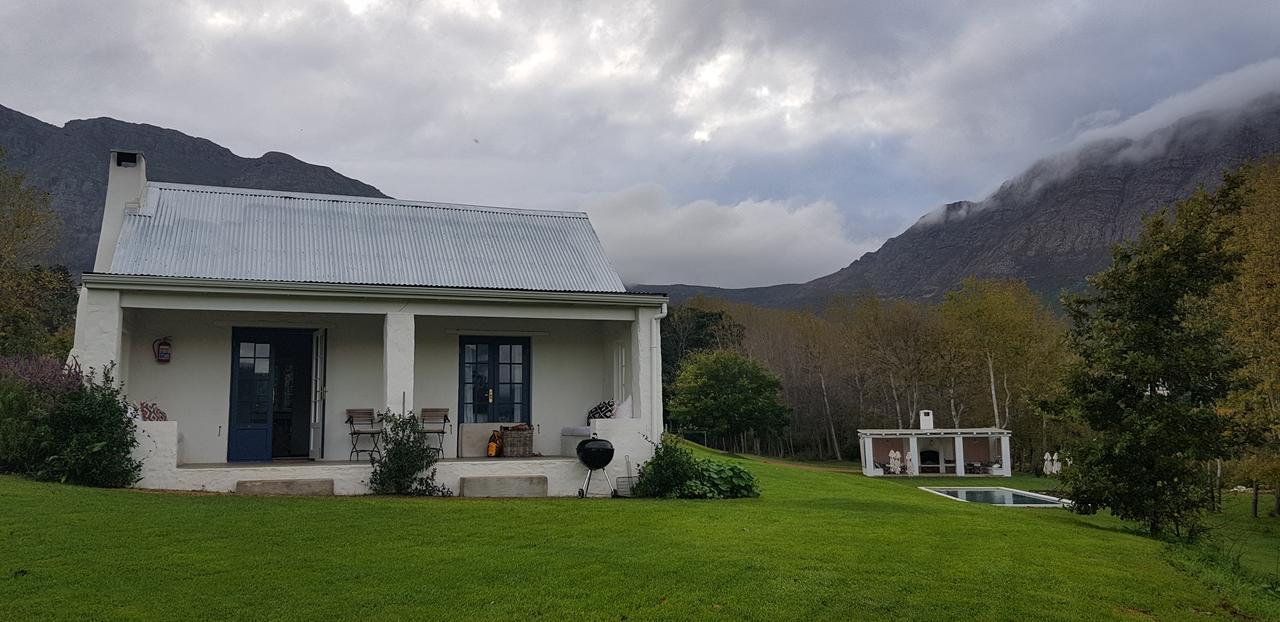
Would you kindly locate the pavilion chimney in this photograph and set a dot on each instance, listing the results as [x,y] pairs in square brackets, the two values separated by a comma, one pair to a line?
[126,183]
[926,420]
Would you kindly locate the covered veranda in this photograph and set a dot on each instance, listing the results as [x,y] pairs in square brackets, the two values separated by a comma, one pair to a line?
[955,451]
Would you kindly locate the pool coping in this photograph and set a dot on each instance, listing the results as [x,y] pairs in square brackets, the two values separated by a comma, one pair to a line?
[1058,502]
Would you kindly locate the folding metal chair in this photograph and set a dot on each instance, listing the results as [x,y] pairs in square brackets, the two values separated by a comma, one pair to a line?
[364,424]
[433,421]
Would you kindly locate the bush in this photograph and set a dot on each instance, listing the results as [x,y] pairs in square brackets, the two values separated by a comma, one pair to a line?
[668,473]
[61,425]
[725,480]
[674,473]
[93,437]
[726,394]
[405,466]
[20,412]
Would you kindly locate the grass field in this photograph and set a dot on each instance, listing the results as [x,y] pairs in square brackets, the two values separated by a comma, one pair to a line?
[1253,543]
[823,543]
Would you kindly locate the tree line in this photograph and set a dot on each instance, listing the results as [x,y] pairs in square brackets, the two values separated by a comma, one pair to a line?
[980,358]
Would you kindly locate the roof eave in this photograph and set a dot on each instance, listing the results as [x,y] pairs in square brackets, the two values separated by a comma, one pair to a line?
[170,284]
[904,433]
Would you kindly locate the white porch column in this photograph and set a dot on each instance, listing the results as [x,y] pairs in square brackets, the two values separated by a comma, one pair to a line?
[646,371]
[913,451]
[867,458]
[1006,462]
[397,361]
[959,455]
[99,324]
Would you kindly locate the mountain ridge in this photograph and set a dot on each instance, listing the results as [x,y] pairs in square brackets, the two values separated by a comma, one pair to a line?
[1052,225]
[70,162]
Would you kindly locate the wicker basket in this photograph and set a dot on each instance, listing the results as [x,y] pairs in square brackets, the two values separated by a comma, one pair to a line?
[517,442]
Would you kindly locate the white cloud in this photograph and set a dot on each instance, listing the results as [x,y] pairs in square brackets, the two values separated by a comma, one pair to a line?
[789,111]
[651,240]
[1224,92]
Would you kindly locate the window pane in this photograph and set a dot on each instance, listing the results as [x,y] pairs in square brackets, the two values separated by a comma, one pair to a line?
[516,356]
[246,365]
[517,373]
[504,354]
[262,349]
[469,353]
[261,366]
[504,393]
[246,348]
[482,353]
[504,373]
[517,412]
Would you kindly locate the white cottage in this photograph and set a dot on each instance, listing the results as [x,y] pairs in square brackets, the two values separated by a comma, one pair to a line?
[935,451]
[257,319]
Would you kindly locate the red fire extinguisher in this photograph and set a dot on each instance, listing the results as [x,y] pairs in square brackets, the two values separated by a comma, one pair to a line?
[162,349]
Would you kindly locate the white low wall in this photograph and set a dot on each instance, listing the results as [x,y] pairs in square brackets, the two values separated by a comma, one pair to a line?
[158,451]
[628,438]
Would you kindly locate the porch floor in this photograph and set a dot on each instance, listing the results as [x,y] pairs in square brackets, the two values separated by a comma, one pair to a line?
[363,463]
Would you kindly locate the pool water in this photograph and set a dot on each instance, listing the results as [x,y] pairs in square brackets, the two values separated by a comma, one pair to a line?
[998,496]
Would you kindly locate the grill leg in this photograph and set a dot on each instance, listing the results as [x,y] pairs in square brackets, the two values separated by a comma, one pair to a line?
[613,492]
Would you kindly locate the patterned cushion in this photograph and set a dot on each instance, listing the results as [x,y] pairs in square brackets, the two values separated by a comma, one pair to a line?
[603,410]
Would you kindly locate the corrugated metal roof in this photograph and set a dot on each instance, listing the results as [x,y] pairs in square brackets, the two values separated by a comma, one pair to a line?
[232,233]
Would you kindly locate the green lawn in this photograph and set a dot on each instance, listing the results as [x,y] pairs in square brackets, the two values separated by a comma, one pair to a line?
[1252,542]
[822,543]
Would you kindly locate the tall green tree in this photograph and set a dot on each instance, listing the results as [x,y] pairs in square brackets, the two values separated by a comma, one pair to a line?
[1252,303]
[37,303]
[1153,361]
[726,394]
[1013,340]
[689,328]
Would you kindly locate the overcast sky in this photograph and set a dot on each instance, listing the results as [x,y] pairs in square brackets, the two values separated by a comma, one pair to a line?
[722,143]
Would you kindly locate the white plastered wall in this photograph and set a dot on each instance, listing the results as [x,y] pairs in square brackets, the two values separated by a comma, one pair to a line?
[569,374]
[194,388]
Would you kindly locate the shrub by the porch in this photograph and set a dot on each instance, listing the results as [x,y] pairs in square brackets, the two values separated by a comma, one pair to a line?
[674,473]
[406,464]
[61,425]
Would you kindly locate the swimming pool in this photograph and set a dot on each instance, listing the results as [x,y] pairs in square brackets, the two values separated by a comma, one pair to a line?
[1008,497]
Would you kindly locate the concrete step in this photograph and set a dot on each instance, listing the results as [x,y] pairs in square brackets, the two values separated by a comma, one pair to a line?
[503,486]
[293,487]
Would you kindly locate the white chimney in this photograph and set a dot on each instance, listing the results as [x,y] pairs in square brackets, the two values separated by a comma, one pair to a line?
[926,420]
[126,182]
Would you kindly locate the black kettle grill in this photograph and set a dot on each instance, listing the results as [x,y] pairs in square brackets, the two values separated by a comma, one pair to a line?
[595,454]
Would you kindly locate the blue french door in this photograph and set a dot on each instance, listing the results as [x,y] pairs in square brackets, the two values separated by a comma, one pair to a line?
[273,410]
[251,397]
[494,380]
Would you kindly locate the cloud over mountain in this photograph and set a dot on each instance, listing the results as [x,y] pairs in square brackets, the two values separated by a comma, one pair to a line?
[877,110]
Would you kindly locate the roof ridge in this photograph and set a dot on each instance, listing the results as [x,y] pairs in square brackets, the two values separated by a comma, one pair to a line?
[290,194]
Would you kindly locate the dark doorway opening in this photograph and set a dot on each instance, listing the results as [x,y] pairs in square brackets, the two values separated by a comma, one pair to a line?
[494,388]
[271,378]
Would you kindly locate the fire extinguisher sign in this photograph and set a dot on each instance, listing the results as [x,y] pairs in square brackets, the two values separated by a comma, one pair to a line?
[162,349]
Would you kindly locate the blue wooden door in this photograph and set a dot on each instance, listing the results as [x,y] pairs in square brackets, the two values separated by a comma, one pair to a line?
[252,392]
[494,380]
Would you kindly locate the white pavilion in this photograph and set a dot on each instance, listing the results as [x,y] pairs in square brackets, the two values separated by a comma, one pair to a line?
[935,451]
